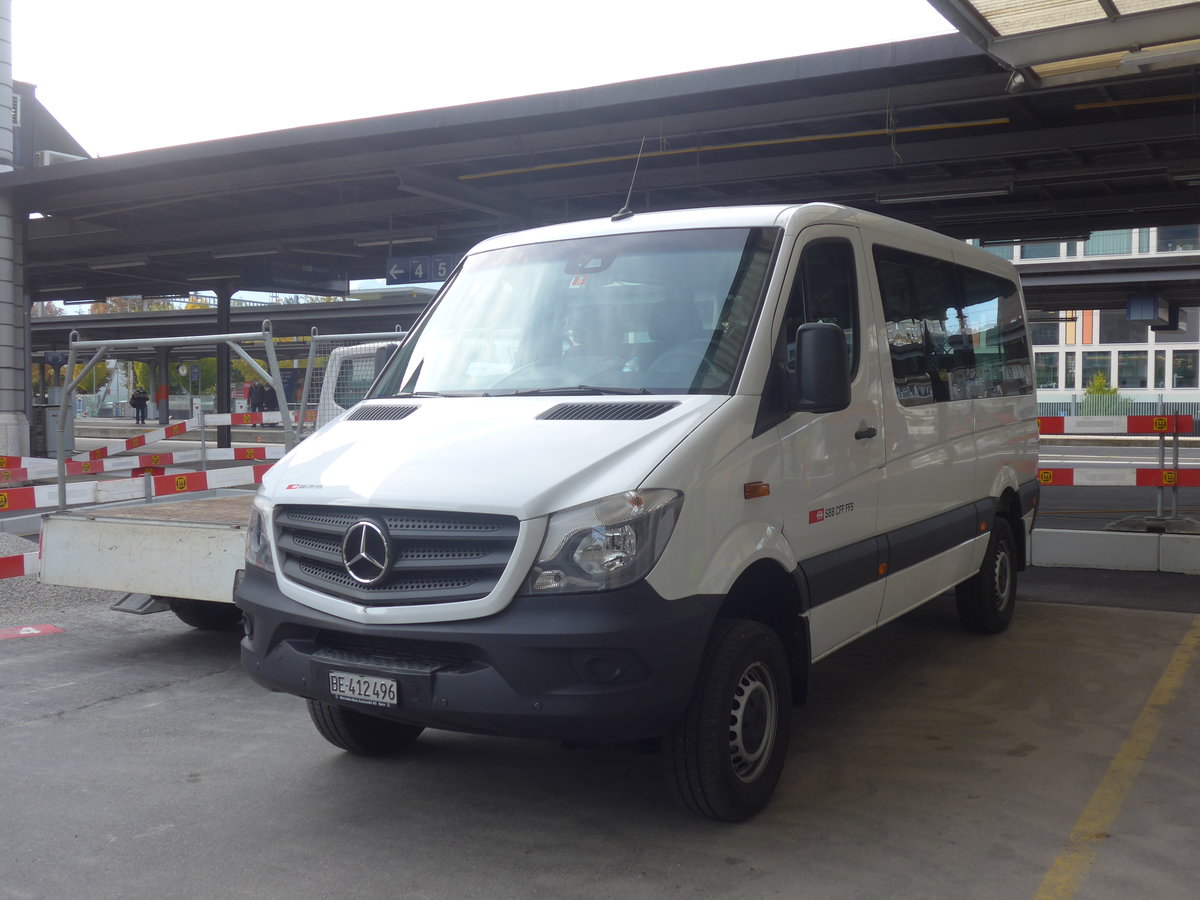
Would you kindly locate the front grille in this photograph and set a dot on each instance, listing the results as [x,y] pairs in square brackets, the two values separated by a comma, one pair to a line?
[437,557]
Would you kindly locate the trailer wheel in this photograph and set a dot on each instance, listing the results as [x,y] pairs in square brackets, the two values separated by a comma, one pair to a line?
[986,600]
[205,614]
[724,758]
[358,732]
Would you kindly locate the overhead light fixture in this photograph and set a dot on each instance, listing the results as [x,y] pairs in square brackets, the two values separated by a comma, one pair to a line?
[1190,177]
[125,262]
[216,276]
[61,287]
[82,302]
[242,252]
[387,238]
[932,196]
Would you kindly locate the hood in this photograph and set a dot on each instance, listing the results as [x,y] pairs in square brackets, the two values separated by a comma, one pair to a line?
[521,456]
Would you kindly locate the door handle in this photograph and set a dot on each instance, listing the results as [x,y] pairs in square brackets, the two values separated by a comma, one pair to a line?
[865,431]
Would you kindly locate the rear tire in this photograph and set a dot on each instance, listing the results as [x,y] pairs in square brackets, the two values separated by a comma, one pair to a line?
[359,733]
[724,758]
[206,615]
[986,601]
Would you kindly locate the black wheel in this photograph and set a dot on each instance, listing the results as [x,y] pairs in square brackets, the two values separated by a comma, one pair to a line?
[986,601]
[725,756]
[205,614]
[358,732]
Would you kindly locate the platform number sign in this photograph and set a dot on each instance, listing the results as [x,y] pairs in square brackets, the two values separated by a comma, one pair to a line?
[1161,423]
[419,269]
[1045,476]
[3,500]
[181,483]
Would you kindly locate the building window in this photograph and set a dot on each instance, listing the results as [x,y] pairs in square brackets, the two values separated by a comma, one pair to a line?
[1044,333]
[1131,368]
[1040,250]
[1143,240]
[1107,243]
[1160,368]
[1178,237]
[1071,381]
[1183,368]
[1188,334]
[1047,370]
[1004,251]
[1115,328]
[1096,362]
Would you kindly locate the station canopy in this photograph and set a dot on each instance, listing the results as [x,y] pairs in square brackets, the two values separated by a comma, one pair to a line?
[960,133]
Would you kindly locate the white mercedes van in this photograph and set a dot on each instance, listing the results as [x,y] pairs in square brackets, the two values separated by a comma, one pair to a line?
[628,479]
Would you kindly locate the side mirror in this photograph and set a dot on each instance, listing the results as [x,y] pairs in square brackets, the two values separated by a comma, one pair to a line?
[822,379]
[383,355]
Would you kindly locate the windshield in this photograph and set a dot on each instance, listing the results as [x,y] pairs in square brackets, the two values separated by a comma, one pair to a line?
[659,312]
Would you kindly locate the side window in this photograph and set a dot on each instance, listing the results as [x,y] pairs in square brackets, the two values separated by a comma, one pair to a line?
[955,333]
[992,308]
[825,290]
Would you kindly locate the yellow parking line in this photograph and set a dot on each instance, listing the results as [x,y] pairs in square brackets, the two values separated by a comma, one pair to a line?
[1092,829]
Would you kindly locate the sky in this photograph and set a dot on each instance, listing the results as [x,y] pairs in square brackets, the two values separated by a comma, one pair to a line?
[127,75]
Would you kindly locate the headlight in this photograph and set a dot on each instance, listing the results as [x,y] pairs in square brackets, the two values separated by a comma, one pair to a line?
[604,545]
[258,536]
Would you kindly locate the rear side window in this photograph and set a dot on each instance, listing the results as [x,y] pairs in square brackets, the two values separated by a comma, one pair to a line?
[955,333]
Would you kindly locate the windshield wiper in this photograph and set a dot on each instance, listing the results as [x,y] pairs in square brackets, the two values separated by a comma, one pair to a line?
[577,389]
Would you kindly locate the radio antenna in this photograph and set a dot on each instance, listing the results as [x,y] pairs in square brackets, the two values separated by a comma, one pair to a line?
[625,212]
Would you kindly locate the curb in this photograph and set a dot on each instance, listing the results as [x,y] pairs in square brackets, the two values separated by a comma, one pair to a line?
[1128,551]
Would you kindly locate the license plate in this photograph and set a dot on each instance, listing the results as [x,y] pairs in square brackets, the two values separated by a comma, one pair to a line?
[363,688]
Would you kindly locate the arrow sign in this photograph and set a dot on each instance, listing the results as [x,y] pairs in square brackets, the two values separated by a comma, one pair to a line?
[397,270]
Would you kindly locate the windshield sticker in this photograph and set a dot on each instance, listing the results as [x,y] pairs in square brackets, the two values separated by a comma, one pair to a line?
[579,281]
[829,512]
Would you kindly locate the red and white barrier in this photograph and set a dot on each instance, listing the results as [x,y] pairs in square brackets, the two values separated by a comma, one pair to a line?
[179,428]
[46,496]
[21,564]
[1115,425]
[48,468]
[1118,477]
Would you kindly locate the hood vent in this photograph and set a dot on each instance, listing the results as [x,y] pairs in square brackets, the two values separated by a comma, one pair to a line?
[626,411]
[386,412]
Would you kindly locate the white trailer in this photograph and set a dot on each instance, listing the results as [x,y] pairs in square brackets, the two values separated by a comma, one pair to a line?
[179,555]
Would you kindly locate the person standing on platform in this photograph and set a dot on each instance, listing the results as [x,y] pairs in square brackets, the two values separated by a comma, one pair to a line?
[139,400]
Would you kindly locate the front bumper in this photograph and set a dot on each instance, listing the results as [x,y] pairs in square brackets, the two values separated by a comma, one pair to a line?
[618,666]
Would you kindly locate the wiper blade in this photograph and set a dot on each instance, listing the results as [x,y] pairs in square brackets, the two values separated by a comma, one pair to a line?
[576,389]
[409,395]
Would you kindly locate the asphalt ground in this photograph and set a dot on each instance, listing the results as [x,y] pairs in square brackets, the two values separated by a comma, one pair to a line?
[1059,759]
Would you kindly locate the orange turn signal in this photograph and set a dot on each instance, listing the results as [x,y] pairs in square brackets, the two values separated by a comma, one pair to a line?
[755,489]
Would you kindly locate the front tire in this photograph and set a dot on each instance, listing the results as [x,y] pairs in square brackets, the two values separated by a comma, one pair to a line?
[207,615]
[986,601]
[360,733]
[724,758]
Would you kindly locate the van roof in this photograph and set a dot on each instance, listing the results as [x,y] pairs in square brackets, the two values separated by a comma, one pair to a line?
[668,220]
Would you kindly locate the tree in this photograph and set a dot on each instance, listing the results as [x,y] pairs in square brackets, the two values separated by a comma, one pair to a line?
[1100,399]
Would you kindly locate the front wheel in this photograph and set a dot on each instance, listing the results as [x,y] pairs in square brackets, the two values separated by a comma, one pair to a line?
[724,758]
[207,615]
[986,600]
[360,733]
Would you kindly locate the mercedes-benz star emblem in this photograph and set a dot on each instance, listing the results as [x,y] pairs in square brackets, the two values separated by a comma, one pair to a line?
[367,552]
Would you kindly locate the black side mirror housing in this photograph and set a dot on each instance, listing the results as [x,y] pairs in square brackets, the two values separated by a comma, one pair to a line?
[822,379]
